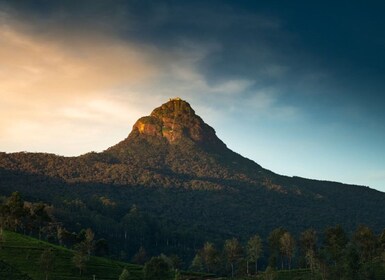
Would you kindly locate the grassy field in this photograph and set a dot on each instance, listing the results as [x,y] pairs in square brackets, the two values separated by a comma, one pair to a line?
[20,259]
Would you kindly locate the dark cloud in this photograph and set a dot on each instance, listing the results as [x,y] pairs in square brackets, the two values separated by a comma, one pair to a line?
[301,47]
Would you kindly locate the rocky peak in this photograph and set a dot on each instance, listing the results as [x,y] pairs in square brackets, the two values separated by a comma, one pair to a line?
[174,120]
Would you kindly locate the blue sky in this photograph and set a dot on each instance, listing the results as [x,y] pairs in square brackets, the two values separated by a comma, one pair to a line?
[297,86]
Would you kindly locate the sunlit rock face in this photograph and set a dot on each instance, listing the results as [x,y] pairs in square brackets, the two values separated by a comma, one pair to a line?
[173,121]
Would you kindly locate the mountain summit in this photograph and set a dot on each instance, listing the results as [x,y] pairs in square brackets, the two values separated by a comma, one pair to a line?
[174,168]
[175,120]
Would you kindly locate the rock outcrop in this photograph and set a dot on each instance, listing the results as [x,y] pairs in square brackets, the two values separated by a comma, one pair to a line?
[175,120]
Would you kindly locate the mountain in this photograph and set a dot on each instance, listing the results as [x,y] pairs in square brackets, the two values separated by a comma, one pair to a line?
[184,185]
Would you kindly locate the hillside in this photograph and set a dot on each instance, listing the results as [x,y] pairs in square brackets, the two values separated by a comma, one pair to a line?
[187,186]
[20,259]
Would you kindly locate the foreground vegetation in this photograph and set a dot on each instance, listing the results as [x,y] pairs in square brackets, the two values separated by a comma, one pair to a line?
[331,254]
[28,256]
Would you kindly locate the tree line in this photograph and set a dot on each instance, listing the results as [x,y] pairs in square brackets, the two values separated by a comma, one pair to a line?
[330,254]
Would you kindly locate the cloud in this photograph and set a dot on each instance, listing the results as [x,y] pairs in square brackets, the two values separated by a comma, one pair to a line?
[52,86]
[68,72]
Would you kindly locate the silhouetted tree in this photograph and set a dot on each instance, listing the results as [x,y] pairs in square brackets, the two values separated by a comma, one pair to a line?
[366,242]
[209,256]
[308,246]
[351,263]
[254,251]
[16,210]
[335,243]
[233,252]
[89,241]
[287,247]
[80,257]
[275,246]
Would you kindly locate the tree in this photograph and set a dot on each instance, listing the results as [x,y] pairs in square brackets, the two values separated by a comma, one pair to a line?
[233,252]
[308,246]
[335,243]
[156,268]
[209,256]
[311,260]
[197,263]
[125,275]
[254,251]
[351,262]
[308,240]
[80,257]
[16,210]
[89,241]
[40,217]
[275,246]
[176,262]
[381,247]
[47,261]
[135,227]
[60,233]
[287,247]
[101,247]
[365,241]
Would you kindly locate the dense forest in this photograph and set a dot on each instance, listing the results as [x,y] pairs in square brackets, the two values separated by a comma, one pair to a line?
[330,254]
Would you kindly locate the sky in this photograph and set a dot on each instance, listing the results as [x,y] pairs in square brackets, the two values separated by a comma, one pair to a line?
[297,86]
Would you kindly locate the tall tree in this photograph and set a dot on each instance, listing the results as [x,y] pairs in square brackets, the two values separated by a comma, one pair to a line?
[197,263]
[308,240]
[40,217]
[351,263]
[335,243]
[275,246]
[209,256]
[47,261]
[16,210]
[366,242]
[381,247]
[89,241]
[287,247]
[233,252]
[80,257]
[254,251]
[308,246]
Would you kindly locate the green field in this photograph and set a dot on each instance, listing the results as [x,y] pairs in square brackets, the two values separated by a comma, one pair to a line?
[20,259]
